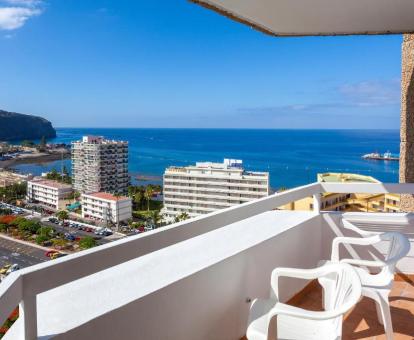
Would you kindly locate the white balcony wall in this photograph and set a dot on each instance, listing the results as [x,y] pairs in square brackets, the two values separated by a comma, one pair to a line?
[189,280]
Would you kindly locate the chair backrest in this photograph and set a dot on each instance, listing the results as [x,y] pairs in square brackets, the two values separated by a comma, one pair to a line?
[399,246]
[345,291]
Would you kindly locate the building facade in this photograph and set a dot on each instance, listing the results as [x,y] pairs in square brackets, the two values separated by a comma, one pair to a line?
[100,165]
[106,207]
[49,193]
[349,202]
[9,178]
[207,187]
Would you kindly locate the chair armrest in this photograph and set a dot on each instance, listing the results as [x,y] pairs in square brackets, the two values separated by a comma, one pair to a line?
[305,274]
[365,263]
[365,241]
[284,309]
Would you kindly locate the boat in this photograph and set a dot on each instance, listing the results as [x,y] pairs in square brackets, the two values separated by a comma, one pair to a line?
[387,156]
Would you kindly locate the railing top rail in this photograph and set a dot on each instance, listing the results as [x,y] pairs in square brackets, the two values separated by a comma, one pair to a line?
[368,188]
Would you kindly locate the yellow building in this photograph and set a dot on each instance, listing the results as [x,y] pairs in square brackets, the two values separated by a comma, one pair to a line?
[349,202]
[392,203]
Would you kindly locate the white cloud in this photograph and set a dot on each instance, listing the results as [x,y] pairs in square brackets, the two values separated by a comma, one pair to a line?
[15,13]
[372,93]
[12,18]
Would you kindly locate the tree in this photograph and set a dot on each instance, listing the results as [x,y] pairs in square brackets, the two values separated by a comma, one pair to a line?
[156,217]
[29,226]
[41,239]
[87,242]
[62,215]
[149,192]
[53,174]
[182,217]
[137,198]
[45,231]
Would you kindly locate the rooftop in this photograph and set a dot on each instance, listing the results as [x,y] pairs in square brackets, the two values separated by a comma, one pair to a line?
[106,196]
[233,165]
[98,140]
[345,178]
[51,183]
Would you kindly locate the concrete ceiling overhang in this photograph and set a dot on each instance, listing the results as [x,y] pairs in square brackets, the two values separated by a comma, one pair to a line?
[319,17]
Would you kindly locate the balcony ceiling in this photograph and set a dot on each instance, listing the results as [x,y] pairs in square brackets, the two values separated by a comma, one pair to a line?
[319,17]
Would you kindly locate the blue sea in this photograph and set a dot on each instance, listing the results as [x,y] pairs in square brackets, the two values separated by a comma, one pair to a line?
[292,157]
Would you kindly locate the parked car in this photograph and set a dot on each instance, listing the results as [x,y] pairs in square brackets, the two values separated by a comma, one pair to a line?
[99,231]
[49,253]
[69,237]
[5,269]
[13,268]
[54,255]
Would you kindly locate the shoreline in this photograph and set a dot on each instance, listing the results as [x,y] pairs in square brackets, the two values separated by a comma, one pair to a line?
[33,159]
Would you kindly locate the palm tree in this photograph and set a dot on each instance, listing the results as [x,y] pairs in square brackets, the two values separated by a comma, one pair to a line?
[149,191]
[138,196]
[62,215]
[156,217]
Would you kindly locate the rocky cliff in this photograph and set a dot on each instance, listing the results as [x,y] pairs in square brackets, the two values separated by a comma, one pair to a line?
[17,126]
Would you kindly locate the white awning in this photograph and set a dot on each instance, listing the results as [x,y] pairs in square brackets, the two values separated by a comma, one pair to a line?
[319,17]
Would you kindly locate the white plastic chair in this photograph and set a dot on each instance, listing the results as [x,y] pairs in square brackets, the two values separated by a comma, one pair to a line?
[271,319]
[375,286]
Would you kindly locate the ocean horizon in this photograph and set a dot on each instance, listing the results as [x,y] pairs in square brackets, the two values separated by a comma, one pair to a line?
[293,157]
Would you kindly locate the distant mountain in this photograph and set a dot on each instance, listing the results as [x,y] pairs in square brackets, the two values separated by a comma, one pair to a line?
[18,126]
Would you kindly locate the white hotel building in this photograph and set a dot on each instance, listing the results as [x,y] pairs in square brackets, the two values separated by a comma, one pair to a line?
[106,207]
[207,187]
[49,193]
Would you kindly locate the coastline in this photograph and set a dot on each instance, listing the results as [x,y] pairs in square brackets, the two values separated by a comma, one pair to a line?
[34,158]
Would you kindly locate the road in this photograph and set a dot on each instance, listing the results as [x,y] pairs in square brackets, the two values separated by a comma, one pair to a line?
[24,255]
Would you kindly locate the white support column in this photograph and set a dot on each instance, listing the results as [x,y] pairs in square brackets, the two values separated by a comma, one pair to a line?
[28,313]
[317,203]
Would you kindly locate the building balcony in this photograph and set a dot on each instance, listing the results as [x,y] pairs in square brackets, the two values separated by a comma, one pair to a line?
[194,279]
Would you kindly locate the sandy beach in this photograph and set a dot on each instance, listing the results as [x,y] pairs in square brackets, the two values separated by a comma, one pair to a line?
[38,157]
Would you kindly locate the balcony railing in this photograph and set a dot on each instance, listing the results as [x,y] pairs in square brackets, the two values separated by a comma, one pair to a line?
[189,278]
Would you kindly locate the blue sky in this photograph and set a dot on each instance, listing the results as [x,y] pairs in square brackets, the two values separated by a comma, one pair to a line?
[170,63]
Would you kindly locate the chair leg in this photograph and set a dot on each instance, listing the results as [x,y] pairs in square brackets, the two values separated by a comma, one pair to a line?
[384,314]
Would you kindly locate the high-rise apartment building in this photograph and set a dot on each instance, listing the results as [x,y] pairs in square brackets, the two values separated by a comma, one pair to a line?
[207,187]
[100,165]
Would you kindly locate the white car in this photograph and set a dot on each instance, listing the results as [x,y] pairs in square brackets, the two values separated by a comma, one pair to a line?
[13,268]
